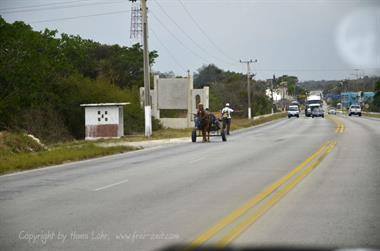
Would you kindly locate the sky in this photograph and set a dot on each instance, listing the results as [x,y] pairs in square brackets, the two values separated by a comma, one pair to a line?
[311,39]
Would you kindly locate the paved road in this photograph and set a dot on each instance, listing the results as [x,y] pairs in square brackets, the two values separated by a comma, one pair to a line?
[174,194]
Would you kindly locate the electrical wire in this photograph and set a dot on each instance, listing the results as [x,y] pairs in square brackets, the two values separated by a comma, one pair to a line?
[175,37]
[204,33]
[312,70]
[168,51]
[76,17]
[41,5]
[186,34]
[61,7]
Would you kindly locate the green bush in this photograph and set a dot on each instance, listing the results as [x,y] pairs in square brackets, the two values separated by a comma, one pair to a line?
[44,79]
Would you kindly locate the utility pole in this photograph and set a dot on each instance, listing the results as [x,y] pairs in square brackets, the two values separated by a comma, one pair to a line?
[248,62]
[271,90]
[139,23]
[147,105]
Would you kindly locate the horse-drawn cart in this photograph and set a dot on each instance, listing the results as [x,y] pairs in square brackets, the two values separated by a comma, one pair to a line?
[211,127]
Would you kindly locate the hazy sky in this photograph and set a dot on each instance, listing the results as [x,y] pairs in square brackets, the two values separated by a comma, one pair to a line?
[312,39]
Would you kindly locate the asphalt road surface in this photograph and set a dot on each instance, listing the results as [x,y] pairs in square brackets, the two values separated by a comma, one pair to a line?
[294,182]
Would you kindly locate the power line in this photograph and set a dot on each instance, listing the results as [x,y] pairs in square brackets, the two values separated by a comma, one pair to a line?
[175,37]
[168,51]
[186,34]
[60,7]
[76,17]
[314,69]
[41,5]
[204,33]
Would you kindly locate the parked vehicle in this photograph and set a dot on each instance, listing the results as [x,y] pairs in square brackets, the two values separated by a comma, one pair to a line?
[293,111]
[355,110]
[318,112]
[332,110]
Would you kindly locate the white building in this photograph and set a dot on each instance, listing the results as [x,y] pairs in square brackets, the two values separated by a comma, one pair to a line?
[104,120]
[276,95]
[176,94]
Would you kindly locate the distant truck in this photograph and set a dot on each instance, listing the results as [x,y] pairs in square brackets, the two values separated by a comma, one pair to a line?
[295,102]
[312,102]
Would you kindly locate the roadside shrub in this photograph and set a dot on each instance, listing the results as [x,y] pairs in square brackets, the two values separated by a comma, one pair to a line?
[18,143]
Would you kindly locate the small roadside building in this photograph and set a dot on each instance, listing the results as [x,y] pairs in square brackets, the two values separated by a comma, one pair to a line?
[104,120]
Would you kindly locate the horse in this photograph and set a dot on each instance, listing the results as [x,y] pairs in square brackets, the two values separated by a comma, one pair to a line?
[204,122]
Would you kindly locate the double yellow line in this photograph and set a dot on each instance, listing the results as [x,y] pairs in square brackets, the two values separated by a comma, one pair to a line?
[339,125]
[340,128]
[264,201]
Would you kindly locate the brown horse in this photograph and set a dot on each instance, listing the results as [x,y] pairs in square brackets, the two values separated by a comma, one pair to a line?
[205,122]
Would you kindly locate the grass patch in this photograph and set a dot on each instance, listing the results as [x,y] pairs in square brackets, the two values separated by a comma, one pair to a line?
[240,123]
[13,162]
[167,133]
[371,115]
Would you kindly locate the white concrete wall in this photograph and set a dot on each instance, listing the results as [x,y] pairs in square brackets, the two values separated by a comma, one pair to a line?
[175,93]
[176,123]
[172,93]
[104,115]
[203,94]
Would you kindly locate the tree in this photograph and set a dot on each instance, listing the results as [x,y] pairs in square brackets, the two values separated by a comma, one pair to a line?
[44,79]
[291,83]
[376,98]
[207,74]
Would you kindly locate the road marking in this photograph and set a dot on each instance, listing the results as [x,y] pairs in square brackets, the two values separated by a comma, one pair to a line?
[339,124]
[196,160]
[237,231]
[342,128]
[110,185]
[211,232]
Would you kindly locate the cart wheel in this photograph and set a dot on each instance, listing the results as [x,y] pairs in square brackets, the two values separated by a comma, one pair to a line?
[194,136]
[224,138]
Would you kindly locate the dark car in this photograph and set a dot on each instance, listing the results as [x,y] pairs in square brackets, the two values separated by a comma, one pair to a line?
[318,112]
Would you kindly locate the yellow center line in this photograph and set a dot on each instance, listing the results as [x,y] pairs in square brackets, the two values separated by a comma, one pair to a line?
[339,124]
[201,239]
[237,231]
[342,128]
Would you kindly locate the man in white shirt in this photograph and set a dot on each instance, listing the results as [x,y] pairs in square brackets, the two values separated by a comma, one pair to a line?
[226,117]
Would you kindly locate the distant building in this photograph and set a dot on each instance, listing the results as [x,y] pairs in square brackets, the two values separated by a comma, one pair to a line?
[104,120]
[349,98]
[278,94]
[367,97]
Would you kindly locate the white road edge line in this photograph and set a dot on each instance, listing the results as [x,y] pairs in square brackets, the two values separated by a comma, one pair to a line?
[196,160]
[46,168]
[111,185]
